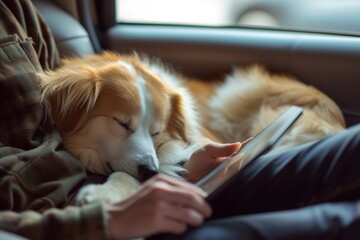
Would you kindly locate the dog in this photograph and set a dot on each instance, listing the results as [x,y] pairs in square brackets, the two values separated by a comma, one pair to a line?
[251,98]
[130,117]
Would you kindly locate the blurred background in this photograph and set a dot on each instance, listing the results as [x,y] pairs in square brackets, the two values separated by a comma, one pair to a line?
[339,16]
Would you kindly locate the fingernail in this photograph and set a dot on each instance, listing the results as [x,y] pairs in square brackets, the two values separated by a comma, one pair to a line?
[203,193]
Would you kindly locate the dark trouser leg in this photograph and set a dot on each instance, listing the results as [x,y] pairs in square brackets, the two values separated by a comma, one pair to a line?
[335,221]
[324,171]
[327,170]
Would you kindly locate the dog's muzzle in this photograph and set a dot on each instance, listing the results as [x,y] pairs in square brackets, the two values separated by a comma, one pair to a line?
[146,172]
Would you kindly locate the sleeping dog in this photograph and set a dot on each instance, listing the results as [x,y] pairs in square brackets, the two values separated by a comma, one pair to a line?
[129,117]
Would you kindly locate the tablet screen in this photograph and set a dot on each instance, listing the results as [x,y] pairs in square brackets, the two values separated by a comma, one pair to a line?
[261,143]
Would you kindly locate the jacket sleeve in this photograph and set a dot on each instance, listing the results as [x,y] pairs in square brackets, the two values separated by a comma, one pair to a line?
[35,172]
[37,177]
[87,222]
[22,18]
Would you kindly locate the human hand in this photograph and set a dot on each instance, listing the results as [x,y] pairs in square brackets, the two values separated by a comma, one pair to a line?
[207,158]
[161,205]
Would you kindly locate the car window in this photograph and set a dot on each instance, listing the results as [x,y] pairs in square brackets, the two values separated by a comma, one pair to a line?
[314,15]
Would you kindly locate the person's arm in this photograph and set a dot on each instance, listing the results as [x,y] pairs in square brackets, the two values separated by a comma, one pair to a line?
[88,222]
[162,205]
[21,17]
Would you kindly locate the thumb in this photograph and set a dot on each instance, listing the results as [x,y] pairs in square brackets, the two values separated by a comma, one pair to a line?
[222,150]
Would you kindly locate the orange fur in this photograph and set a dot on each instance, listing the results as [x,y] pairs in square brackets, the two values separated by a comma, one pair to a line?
[105,93]
[251,98]
[91,93]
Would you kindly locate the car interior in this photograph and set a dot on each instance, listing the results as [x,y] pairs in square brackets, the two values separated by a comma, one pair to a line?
[327,61]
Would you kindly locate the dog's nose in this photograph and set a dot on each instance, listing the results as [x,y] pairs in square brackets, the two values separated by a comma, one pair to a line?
[146,172]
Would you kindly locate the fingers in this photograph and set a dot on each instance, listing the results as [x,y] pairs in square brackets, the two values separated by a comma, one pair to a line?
[186,199]
[177,204]
[172,226]
[180,194]
[176,219]
[184,215]
[222,150]
[175,182]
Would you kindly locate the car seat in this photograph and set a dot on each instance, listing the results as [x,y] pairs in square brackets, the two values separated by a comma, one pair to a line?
[71,38]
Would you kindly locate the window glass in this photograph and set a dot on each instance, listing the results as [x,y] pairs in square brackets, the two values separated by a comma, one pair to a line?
[324,15]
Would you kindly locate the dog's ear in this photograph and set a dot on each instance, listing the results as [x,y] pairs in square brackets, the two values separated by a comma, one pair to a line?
[177,122]
[68,96]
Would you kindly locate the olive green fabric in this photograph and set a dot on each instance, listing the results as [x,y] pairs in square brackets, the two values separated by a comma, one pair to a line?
[69,223]
[37,177]
[21,17]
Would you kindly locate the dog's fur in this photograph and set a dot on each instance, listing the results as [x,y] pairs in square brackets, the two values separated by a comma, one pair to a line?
[249,99]
[118,112]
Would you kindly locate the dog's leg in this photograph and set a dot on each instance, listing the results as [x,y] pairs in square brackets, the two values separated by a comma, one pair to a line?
[117,187]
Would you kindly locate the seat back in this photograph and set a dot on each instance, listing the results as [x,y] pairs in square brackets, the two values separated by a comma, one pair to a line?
[70,36]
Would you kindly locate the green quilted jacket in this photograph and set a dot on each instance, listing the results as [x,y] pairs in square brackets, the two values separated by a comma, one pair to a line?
[37,177]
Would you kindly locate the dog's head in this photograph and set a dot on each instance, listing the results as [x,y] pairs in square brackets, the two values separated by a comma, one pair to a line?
[114,114]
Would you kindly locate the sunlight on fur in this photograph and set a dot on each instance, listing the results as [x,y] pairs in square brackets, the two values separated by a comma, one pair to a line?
[126,113]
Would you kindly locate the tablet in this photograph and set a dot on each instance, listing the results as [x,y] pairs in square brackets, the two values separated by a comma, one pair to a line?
[261,143]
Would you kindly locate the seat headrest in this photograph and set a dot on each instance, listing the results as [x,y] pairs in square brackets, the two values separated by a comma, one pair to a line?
[70,36]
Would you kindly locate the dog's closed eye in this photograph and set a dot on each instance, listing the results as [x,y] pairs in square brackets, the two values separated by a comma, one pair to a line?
[155,134]
[125,125]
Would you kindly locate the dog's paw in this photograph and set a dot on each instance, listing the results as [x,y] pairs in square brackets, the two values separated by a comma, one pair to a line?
[95,193]
[118,186]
